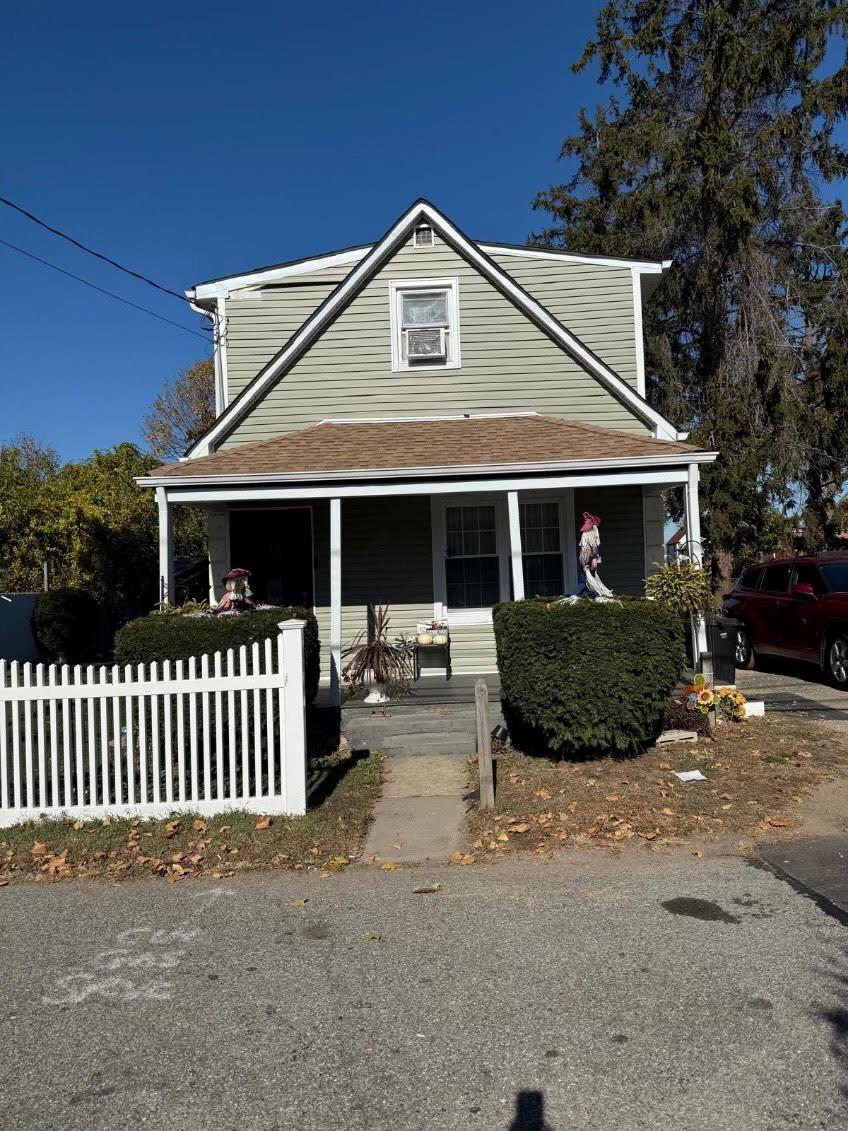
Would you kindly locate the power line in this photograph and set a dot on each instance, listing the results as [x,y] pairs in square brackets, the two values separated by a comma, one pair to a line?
[103,291]
[90,251]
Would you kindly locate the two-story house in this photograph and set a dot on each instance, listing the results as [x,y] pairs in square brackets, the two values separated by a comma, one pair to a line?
[421,422]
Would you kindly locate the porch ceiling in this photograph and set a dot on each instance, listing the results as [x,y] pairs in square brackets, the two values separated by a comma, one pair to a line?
[483,443]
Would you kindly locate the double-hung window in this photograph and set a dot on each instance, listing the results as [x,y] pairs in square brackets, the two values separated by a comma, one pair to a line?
[425,324]
[541,549]
[472,567]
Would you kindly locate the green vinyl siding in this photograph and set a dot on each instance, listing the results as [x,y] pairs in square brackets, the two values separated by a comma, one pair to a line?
[594,302]
[508,364]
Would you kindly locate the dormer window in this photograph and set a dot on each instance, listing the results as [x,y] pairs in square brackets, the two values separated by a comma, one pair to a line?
[425,324]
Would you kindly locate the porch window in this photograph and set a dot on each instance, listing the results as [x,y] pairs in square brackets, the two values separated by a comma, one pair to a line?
[472,569]
[541,549]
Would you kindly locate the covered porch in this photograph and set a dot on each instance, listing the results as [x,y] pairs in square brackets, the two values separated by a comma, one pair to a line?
[436,519]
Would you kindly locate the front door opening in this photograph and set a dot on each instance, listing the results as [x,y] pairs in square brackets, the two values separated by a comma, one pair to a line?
[276,546]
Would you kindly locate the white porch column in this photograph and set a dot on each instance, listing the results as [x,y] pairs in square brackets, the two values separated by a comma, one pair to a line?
[696,553]
[167,593]
[335,601]
[515,545]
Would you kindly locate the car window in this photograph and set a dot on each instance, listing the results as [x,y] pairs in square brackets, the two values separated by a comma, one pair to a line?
[750,579]
[776,579]
[836,576]
[808,575]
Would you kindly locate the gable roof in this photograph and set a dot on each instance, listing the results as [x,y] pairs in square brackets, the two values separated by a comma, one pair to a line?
[361,275]
[407,446]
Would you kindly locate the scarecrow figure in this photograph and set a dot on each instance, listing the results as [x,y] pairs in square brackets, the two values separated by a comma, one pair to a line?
[238,597]
[589,557]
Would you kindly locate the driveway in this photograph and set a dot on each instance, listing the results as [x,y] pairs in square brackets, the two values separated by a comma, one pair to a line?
[795,688]
[588,992]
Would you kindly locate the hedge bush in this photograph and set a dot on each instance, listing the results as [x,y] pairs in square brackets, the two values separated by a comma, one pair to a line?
[161,637]
[587,679]
[66,624]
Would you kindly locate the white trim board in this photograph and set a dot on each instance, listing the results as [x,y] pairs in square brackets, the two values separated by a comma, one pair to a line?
[368,267]
[213,288]
[672,475]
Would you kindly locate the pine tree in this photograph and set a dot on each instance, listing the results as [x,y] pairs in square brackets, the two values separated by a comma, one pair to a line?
[713,153]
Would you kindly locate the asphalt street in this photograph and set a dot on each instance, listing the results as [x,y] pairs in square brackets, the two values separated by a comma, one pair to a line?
[590,992]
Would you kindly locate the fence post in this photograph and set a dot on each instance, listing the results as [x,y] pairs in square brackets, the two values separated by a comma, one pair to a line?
[484,746]
[293,721]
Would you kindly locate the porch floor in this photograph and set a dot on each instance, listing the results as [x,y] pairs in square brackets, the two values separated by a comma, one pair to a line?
[429,691]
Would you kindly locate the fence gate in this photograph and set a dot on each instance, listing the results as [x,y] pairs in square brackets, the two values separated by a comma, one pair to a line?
[225,731]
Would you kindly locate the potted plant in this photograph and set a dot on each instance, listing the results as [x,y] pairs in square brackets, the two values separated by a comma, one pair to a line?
[374,660]
[685,588]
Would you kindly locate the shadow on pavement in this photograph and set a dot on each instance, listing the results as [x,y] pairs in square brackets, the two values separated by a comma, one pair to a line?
[837,1016]
[529,1112]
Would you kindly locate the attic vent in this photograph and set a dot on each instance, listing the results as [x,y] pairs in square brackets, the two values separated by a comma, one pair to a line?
[423,236]
[426,343]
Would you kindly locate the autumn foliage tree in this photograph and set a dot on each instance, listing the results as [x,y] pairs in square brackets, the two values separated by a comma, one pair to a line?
[182,412]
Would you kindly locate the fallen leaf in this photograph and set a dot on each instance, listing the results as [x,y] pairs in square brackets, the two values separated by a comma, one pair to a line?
[426,889]
[300,902]
[398,845]
[199,825]
[264,822]
[698,853]
[78,825]
[665,765]
[611,797]
[572,808]
[170,829]
[373,936]
[667,812]
[519,828]
[544,794]
[502,836]
[804,754]
[39,848]
[389,866]
[106,822]
[778,822]
[648,836]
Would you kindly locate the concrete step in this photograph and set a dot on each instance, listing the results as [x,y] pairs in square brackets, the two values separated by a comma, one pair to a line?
[447,743]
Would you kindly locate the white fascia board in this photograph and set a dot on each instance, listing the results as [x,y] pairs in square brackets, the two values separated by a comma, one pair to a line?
[368,267]
[274,274]
[659,477]
[647,266]
[626,462]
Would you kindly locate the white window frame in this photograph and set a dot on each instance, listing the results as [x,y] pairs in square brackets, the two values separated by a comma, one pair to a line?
[399,287]
[439,504]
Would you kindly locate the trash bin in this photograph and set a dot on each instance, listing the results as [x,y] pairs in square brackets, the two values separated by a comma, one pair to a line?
[721,641]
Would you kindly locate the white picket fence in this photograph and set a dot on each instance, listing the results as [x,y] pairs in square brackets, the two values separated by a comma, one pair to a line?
[226,731]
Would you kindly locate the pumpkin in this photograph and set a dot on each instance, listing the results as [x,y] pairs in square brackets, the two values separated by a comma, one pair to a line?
[440,638]
[425,638]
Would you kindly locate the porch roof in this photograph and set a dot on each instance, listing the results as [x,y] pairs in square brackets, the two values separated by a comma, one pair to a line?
[433,446]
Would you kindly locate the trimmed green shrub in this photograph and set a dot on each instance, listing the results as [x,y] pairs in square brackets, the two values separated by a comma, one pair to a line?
[159,637]
[66,625]
[586,679]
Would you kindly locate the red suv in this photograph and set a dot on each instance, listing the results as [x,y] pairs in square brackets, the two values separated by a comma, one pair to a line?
[794,607]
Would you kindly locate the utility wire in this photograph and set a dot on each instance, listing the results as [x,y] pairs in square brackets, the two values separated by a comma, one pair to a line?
[103,291]
[97,254]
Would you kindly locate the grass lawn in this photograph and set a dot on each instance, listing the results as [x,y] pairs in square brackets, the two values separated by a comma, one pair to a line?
[327,837]
[757,773]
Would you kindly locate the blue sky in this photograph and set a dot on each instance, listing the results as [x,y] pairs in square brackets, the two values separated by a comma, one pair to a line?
[195,141]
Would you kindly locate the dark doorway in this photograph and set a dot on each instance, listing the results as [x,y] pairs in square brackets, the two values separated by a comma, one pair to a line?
[276,546]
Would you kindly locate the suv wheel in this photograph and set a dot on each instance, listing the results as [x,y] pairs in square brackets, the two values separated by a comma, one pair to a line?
[837,660]
[744,649]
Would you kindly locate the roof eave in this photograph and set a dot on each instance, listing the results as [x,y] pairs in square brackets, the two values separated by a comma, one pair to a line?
[673,459]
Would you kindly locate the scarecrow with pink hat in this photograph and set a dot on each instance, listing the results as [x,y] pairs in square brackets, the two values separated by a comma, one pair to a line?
[589,556]
[238,597]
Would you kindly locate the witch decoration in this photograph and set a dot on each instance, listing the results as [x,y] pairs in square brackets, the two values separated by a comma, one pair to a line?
[589,557]
[238,597]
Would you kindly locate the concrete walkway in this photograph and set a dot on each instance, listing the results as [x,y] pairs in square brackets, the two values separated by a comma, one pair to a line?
[421,815]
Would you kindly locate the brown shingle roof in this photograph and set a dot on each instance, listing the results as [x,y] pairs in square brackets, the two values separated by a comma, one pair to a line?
[401,445]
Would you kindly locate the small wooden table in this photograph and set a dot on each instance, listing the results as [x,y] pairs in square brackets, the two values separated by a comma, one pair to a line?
[432,656]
